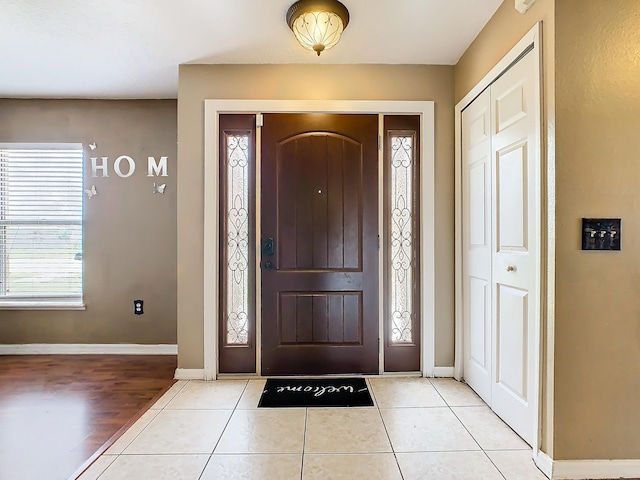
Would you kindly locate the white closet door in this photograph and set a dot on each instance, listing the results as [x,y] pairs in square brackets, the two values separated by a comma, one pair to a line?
[500,223]
[516,245]
[476,241]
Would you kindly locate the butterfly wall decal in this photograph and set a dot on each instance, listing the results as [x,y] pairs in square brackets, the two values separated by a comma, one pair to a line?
[159,188]
[92,192]
[93,146]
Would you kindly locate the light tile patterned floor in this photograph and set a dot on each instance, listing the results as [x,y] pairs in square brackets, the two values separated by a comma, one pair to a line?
[419,428]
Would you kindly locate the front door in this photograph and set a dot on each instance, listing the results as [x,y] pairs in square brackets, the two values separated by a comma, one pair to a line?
[319,258]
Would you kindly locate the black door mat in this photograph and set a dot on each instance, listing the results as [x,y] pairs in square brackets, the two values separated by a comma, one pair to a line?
[316,392]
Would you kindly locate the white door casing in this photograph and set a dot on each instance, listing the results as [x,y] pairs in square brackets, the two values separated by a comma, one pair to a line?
[211,206]
[499,245]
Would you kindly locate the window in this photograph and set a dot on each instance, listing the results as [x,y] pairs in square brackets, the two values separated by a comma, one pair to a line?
[402,236]
[237,238]
[41,198]
[402,243]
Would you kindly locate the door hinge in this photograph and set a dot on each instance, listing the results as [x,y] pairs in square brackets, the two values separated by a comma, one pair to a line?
[379,142]
[378,242]
[259,120]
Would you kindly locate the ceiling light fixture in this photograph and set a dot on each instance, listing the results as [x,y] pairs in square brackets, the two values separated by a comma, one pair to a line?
[317,24]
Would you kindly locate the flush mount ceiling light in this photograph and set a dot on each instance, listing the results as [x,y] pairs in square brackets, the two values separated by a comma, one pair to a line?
[317,24]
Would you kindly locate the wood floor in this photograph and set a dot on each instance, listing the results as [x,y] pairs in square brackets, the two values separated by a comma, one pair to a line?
[57,411]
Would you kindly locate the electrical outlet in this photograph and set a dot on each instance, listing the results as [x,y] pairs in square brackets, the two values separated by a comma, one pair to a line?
[137,307]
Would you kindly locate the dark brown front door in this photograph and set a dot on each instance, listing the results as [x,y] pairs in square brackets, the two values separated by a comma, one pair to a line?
[319,259]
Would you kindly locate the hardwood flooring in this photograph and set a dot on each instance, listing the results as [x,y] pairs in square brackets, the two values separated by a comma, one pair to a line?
[57,411]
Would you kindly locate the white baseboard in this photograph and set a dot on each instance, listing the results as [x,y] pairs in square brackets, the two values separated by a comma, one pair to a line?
[544,462]
[87,349]
[595,469]
[189,374]
[443,372]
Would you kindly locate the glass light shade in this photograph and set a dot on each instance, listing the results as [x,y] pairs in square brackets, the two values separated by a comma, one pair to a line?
[318,31]
[318,24]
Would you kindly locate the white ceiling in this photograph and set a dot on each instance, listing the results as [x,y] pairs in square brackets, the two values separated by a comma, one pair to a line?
[132,48]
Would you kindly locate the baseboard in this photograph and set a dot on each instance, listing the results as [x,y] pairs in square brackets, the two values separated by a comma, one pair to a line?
[544,462]
[87,349]
[443,372]
[595,469]
[189,374]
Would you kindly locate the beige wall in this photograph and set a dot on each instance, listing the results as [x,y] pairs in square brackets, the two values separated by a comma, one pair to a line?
[129,233]
[598,172]
[303,82]
[501,33]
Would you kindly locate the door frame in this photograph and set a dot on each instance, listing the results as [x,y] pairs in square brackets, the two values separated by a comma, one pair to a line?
[215,107]
[544,267]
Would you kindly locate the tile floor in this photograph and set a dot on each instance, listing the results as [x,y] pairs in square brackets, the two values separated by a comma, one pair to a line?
[418,429]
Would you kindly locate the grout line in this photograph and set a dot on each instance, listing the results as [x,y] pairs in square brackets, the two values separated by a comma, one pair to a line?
[440,451]
[233,411]
[206,464]
[304,440]
[384,425]
[372,393]
[172,397]
[438,392]
[184,454]
[493,463]
[246,385]
[121,452]
[222,432]
[465,427]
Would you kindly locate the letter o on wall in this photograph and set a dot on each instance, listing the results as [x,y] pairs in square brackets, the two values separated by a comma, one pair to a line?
[132,166]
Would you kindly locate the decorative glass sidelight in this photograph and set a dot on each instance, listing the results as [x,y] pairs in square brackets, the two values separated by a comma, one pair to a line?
[401,231]
[237,241]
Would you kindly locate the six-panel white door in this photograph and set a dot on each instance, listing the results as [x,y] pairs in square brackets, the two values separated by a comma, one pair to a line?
[500,290]
[476,241]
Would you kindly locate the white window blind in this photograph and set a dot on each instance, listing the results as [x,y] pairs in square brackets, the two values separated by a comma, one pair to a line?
[41,198]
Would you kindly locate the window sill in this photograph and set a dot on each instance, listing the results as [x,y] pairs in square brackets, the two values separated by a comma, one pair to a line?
[42,305]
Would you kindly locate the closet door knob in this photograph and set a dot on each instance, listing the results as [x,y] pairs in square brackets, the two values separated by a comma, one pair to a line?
[511,268]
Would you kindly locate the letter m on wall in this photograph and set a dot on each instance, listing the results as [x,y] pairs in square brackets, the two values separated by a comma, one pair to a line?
[159,169]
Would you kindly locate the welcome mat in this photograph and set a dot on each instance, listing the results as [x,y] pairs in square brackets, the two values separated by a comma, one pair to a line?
[316,392]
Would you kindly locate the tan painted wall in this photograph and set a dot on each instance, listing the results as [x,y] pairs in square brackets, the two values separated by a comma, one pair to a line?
[303,82]
[598,172]
[497,38]
[501,33]
[129,234]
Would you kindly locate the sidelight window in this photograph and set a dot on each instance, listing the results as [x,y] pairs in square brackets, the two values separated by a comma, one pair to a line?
[401,230]
[236,242]
[401,245]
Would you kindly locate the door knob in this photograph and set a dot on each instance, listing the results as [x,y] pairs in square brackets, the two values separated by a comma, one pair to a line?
[511,268]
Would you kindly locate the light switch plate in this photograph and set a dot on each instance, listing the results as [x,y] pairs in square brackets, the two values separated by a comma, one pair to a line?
[601,233]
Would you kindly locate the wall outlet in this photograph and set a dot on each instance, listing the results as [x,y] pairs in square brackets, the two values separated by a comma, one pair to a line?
[137,307]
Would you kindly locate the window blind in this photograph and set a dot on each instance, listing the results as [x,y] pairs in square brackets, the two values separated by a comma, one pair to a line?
[41,198]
